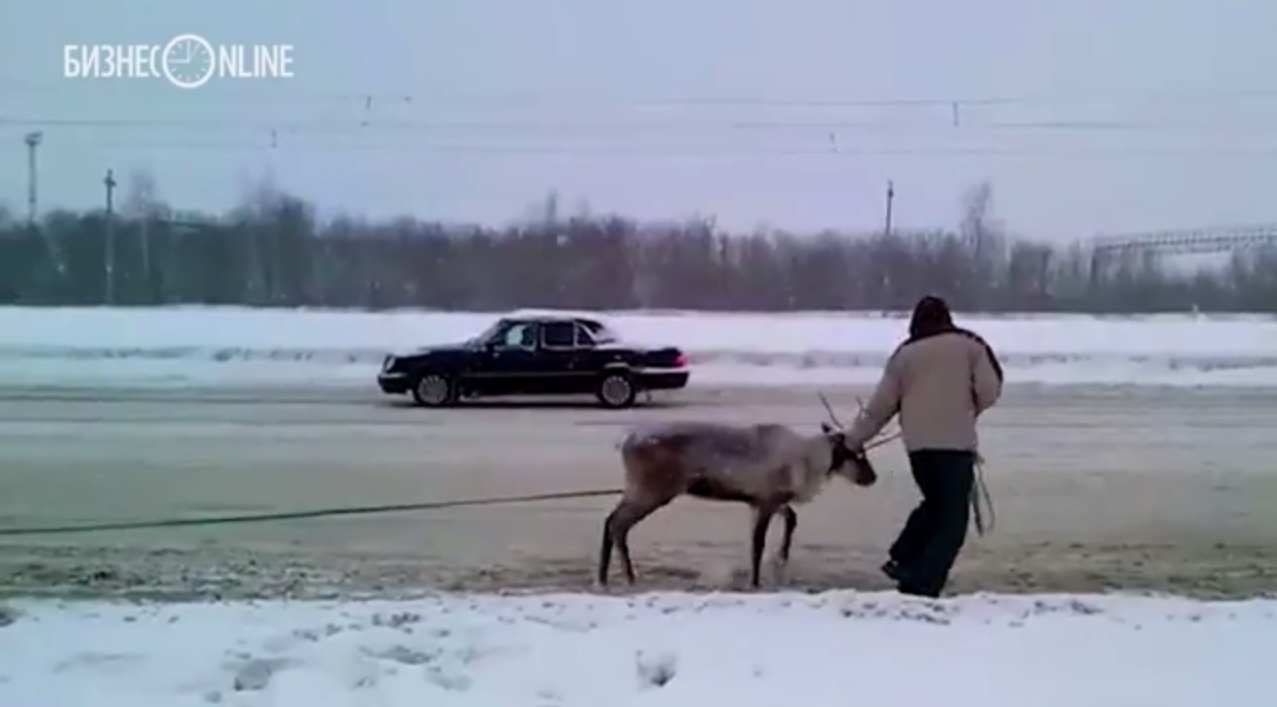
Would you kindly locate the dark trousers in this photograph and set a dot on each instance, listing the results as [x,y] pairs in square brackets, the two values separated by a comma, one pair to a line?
[937,528]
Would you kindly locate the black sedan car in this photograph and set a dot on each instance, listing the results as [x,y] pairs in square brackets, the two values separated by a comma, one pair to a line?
[536,355]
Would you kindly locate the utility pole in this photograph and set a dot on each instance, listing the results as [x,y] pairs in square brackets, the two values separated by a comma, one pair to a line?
[33,142]
[109,259]
[148,281]
[891,195]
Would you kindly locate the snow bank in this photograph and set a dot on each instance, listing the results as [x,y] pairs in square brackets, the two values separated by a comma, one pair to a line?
[833,649]
[211,345]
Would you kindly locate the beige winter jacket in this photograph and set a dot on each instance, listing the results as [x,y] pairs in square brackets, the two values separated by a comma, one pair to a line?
[939,384]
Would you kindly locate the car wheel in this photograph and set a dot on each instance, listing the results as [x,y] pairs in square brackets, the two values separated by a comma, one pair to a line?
[434,390]
[616,390]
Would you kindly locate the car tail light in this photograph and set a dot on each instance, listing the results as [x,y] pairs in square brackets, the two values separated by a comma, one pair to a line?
[681,361]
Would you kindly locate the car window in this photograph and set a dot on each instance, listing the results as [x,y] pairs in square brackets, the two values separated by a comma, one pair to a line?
[583,337]
[520,336]
[558,335]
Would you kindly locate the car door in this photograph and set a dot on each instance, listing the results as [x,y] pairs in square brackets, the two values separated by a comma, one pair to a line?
[508,366]
[587,360]
[557,358]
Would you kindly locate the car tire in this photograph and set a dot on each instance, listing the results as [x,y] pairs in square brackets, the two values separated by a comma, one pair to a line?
[616,390]
[434,390]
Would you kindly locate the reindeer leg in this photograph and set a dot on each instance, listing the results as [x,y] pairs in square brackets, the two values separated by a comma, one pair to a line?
[763,513]
[616,530]
[790,518]
[781,560]
[614,519]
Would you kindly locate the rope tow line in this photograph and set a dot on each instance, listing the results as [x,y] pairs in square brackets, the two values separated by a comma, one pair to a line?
[298,515]
[979,489]
[980,492]
[406,507]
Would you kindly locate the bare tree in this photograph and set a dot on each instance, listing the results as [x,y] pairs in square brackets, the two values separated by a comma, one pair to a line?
[272,250]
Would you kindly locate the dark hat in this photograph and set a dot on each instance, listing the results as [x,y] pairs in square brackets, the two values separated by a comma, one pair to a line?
[930,316]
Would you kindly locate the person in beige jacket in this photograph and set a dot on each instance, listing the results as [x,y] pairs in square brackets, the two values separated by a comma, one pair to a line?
[939,380]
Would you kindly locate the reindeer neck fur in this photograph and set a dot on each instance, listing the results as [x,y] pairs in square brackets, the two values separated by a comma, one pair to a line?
[784,462]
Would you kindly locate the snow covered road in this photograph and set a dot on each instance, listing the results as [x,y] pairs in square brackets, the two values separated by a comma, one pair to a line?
[1162,489]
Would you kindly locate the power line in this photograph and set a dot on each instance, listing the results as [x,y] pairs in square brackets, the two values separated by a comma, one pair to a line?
[434,98]
[806,138]
[531,150]
[357,126]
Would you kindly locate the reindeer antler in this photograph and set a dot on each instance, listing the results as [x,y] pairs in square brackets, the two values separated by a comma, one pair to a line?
[833,417]
[829,409]
[881,438]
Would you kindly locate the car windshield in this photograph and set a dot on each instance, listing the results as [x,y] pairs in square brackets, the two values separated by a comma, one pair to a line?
[603,335]
[488,333]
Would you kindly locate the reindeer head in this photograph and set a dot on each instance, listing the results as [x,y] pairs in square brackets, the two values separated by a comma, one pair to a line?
[851,464]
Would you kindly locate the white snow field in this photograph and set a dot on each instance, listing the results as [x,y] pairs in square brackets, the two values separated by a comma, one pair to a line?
[833,649]
[197,345]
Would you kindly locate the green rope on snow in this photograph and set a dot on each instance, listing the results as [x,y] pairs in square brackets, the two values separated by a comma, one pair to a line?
[297,515]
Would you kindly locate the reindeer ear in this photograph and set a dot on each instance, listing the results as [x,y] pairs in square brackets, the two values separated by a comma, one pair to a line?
[824,427]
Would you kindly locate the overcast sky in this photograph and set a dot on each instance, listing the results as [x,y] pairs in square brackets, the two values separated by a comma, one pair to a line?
[1113,115]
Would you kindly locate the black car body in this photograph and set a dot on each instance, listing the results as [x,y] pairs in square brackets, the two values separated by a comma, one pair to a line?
[536,355]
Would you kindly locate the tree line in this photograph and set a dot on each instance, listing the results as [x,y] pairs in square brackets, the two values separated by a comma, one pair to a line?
[274,251]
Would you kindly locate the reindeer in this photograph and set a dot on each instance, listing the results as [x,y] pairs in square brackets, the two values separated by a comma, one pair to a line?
[769,467]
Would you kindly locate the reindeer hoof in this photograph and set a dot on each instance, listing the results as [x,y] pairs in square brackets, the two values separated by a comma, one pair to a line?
[779,566]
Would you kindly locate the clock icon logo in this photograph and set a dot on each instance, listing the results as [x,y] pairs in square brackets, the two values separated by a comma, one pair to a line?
[188,61]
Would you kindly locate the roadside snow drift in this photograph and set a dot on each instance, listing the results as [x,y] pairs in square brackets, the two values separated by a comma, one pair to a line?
[834,649]
[176,346]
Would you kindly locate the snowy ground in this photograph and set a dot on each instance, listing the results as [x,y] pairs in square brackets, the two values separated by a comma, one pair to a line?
[1097,488]
[1145,489]
[180,346]
[832,649]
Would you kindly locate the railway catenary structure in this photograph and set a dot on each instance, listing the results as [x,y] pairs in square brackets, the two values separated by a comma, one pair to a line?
[1106,250]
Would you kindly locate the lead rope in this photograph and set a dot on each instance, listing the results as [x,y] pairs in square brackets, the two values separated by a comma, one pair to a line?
[978,490]
[306,514]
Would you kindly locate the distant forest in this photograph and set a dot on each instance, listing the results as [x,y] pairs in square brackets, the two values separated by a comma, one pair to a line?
[273,251]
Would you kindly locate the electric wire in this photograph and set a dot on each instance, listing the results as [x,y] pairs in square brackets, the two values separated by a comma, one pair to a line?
[434,98]
[374,130]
